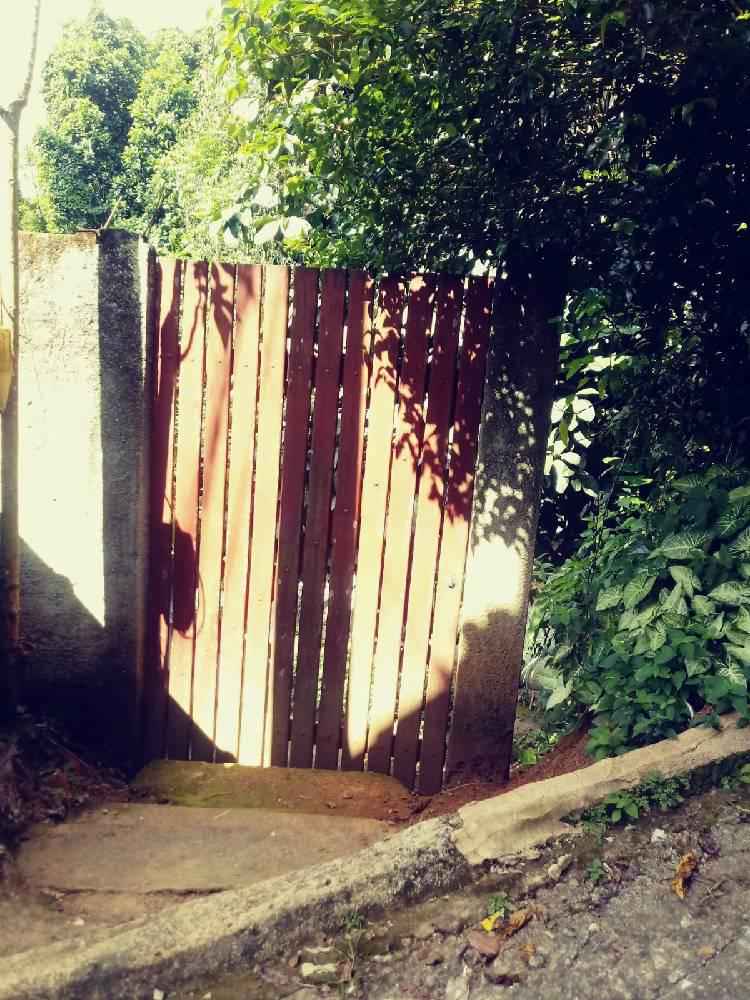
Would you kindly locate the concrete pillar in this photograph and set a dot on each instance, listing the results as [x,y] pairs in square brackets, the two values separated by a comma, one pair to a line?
[521,372]
[83,481]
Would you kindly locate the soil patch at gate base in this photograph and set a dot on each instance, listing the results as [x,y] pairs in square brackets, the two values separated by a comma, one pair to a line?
[338,793]
[569,755]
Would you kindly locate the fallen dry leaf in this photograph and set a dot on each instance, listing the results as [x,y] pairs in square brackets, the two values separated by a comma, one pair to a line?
[486,944]
[528,950]
[684,872]
[500,930]
[515,922]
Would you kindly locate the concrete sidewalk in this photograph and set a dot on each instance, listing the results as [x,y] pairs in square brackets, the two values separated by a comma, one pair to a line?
[139,849]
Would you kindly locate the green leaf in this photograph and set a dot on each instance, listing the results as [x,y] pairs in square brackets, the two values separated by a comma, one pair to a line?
[734,517]
[686,578]
[741,544]
[559,695]
[702,606]
[562,652]
[715,627]
[583,409]
[695,668]
[561,475]
[673,599]
[631,808]
[730,593]
[688,483]
[715,688]
[742,621]
[739,493]
[637,589]
[657,636]
[686,545]
[741,653]
[608,598]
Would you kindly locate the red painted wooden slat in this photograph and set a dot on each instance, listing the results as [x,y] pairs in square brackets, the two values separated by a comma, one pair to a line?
[315,556]
[345,518]
[427,529]
[455,531]
[165,333]
[239,507]
[216,424]
[407,447]
[186,509]
[302,335]
[374,501]
[257,699]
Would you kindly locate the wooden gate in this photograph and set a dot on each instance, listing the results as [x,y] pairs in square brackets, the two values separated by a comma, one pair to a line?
[313,441]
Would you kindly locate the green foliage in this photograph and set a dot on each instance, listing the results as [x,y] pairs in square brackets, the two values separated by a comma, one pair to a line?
[650,622]
[89,84]
[500,903]
[529,748]
[30,217]
[167,96]
[414,134]
[655,792]
[596,872]
[354,921]
[449,136]
[739,778]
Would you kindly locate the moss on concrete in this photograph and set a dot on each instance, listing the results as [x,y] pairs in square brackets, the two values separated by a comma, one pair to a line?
[341,793]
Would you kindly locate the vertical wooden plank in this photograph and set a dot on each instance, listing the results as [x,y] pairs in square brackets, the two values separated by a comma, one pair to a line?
[315,556]
[166,289]
[431,495]
[216,425]
[345,518]
[374,501]
[455,531]
[256,696]
[302,335]
[407,448]
[186,510]
[239,507]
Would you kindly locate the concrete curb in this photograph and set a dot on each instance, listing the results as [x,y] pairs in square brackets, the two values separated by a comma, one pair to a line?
[229,929]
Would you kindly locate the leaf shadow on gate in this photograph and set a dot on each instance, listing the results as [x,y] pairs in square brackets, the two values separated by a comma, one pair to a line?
[439,448]
[190,438]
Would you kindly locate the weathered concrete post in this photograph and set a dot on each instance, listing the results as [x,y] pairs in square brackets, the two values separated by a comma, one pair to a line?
[521,371]
[83,480]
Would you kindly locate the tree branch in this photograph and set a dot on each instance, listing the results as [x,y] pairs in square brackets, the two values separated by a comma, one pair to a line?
[24,95]
[11,114]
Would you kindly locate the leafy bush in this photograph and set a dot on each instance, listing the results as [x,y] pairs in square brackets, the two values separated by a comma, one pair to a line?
[650,622]
[654,792]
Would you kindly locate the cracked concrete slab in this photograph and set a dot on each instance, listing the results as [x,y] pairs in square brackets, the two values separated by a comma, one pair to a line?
[154,848]
[533,813]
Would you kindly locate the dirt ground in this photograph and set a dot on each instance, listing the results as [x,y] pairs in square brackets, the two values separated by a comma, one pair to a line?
[597,916]
[569,755]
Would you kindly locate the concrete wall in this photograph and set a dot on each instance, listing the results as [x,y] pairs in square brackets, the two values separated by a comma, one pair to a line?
[519,387]
[83,489]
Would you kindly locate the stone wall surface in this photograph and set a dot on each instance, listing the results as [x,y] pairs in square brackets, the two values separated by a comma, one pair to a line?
[82,478]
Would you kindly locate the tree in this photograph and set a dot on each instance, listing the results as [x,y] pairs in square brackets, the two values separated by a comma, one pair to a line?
[10,567]
[602,141]
[89,84]
[167,96]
